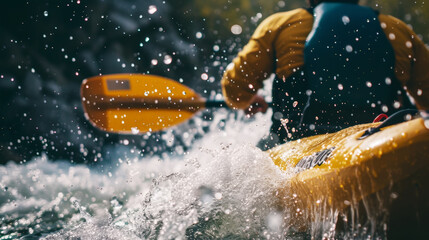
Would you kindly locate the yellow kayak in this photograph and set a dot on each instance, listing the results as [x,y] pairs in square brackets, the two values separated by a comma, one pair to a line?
[330,173]
[341,170]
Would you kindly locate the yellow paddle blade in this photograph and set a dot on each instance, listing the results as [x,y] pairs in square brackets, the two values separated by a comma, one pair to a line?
[136,103]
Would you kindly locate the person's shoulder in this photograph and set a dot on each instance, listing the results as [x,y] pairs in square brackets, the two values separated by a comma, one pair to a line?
[278,20]
[392,22]
[298,13]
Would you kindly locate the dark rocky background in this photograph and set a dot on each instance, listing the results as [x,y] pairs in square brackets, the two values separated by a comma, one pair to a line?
[48,47]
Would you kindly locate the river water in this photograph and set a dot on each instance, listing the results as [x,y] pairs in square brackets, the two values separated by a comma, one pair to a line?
[223,187]
[218,185]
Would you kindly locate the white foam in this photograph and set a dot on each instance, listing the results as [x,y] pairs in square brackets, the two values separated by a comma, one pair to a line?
[224,182]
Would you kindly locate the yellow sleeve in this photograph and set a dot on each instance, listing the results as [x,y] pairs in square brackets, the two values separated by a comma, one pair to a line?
[255,63]
[412,59]
[244,76]
[418,85]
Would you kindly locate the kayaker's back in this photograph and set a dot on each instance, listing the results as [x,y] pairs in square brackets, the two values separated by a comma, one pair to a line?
[349,66]
[348,75]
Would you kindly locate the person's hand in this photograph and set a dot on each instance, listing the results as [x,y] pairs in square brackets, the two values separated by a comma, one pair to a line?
[258,104]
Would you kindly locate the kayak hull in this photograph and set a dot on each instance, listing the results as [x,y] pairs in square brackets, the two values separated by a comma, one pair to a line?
[339,171]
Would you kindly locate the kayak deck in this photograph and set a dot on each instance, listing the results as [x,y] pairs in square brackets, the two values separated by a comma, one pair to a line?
[338,170]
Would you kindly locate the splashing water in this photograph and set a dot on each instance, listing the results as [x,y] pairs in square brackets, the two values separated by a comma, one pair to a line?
[223,187]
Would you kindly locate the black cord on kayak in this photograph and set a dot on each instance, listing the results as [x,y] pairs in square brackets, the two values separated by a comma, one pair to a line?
[396,118]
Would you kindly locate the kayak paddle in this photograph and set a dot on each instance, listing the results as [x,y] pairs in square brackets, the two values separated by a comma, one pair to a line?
[136,103]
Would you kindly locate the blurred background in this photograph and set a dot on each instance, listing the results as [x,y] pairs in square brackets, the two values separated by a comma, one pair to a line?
[47,47]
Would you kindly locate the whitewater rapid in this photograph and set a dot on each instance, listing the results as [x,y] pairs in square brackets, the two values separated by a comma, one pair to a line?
[222,187]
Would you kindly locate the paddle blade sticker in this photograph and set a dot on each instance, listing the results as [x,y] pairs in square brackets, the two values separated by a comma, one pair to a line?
[113,84]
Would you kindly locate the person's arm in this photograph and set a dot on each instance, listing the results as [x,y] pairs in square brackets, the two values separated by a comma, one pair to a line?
[412,59]
[418,85]
[244,76]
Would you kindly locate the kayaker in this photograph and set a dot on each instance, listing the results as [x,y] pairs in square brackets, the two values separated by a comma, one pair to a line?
[333,68]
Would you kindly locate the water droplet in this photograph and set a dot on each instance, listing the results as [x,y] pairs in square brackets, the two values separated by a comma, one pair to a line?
[349,48]
[295,103]
[45,13]
[346,20]
[199,35]
[388,81]
[427,124]
[392,36]
[154,62]
[167,59]
[275,221]
[230,66]
[369,84]
[397,105]
[152,9]
[236,29]
[408,44]
[419,92]
[135,130]
[340,86]
[204,76]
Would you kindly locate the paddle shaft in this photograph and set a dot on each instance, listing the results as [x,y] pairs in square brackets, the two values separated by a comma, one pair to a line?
[148,103]
[216,104]
[222,104]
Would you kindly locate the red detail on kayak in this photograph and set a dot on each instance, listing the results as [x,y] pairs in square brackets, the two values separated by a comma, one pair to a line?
[380,117]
